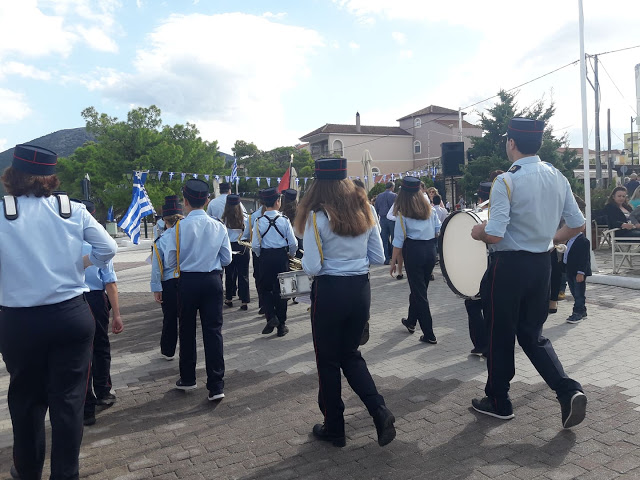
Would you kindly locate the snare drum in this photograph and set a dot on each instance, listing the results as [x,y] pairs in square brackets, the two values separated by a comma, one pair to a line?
[294,284]
[463,260]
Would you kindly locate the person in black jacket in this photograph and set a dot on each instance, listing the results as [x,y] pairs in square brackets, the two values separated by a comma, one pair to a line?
[617,211]
[577,259]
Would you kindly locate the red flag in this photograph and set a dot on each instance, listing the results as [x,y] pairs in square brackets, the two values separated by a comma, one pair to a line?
[284,181]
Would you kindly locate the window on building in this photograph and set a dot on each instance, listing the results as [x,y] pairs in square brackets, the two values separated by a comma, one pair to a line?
[417,123]
[337,148]
[417,147]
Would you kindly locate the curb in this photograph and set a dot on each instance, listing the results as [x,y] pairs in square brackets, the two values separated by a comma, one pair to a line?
[616,281]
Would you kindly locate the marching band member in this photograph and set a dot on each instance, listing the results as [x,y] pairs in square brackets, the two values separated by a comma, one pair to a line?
[101,297]
[288,209]
[342,239]
[46,327]
[201,246]
[417,226]
[164,283]
[237,272]
[272,238]
[247,236]
[216,206]
[527,203]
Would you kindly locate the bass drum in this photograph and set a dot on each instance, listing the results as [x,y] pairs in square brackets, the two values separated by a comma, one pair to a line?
[463,260]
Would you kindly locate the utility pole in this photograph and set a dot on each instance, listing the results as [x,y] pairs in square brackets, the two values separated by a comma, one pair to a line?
[596,88]
[609,159]
[632,142]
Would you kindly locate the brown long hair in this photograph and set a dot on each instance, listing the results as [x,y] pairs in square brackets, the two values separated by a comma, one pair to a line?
[19,183]
[288,208]
[412,205]
[346,206]
[233,216]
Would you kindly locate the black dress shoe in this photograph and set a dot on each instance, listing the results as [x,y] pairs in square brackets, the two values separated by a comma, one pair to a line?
[13,472]
[383,420]
[574,409]
[228,303]
[261,311]
[271,324]
[283,330]
[89,419]
[321,433]
[410,328]
[429,339]
[106,400]
[244,307]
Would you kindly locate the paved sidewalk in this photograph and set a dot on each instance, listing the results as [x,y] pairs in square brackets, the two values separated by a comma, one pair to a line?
[262,428]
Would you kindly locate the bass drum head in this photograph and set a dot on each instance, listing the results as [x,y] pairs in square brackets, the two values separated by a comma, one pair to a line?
[463,260]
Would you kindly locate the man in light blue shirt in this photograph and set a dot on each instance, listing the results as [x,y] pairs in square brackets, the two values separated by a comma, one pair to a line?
[526,205]
[216,206]
[202,248]
[273,242]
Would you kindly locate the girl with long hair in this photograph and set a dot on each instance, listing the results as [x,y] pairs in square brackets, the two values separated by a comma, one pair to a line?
[341,239]
[236,274]
[417,226]
[617,211]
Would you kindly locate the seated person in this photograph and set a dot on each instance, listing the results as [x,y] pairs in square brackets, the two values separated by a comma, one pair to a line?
[618,213]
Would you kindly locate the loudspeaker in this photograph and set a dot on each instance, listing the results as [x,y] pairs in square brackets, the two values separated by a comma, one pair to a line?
[452,158]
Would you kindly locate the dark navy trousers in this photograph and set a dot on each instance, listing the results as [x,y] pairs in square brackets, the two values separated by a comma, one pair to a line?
[169,337]
[515,299]
[339,311]
[47,351]
[99,384]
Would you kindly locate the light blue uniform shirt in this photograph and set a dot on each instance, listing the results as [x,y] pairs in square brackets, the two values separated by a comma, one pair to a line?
[216,206]
[416,229]
[526,205]
[96,278]
[204,243]
[343,256]
[272,239]
[41,252]
[252,221]
[168,259]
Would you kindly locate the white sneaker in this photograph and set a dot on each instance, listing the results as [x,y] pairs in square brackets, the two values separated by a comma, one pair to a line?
[167,357]
[215,396]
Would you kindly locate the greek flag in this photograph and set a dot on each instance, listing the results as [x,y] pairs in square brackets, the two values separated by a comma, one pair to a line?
[234,170]
[140,207]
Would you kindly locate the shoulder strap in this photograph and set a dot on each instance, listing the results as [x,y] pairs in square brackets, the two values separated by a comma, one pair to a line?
[64,205]
[318,242]
[160,264]
[10,207]
[176,272]
[272,223]
[399,219]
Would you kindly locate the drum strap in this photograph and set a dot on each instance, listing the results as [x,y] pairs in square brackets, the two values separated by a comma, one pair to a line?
[160,264]
[404,230]
[272,223]
[176,272]
[318,242]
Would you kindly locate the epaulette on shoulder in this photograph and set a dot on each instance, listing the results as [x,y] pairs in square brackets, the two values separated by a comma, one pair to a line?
[514,168]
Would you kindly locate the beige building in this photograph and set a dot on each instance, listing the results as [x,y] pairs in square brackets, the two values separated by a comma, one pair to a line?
[390,147]
[431,127]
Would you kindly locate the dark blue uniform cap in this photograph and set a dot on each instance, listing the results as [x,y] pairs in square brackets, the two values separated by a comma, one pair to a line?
[411,184]
[171,199]
[171,206]
[484,189]
[233,199]
[525,129]
[269,193]
[34,160]
[196,190]
[290,194]
[331,169]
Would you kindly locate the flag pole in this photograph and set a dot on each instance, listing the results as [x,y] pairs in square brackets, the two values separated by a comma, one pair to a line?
[290,165]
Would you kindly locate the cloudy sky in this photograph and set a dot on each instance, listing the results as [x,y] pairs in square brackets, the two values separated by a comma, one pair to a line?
[271,71]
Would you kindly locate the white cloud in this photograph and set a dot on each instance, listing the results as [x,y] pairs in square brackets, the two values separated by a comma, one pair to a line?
[97,39]
[399,37]
[354,46]
[230,88]
[13,106]
[22,70]
[277,16]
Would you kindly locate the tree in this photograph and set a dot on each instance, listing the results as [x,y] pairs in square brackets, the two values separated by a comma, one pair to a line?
[488,152]
[139,143]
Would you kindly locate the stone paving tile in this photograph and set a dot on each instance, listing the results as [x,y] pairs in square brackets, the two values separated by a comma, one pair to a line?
[262,429]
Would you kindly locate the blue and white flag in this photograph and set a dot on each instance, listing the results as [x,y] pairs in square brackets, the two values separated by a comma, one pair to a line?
[234,170]
[110,214]
[140,207]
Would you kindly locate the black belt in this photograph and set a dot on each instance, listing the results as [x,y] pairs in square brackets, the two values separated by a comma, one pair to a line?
[200,274]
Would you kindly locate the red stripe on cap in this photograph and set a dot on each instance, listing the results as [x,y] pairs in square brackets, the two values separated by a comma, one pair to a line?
[526,131]
[330,169]
[33,161]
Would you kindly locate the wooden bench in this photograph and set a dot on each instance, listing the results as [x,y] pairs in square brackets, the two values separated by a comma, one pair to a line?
[624,247]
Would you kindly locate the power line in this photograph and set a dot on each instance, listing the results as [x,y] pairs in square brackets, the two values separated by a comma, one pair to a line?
[614,84]
[619,50]
[473,104]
